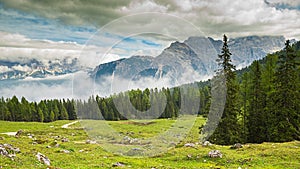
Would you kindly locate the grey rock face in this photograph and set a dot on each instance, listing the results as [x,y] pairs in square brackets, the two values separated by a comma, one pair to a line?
[195,57]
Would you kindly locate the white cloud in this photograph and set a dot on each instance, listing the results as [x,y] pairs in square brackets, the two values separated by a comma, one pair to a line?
[4,69]
[16,47]
[21,68]
[213,17]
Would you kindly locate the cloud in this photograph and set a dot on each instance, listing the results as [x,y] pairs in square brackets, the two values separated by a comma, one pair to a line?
[213,17]
[71,12]
[4,69]
[18,48]
[28,89]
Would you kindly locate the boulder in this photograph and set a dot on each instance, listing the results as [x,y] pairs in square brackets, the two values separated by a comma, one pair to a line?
[118,164]
[9,148]
[43,159]
[215,154]
[189,145]
[236,146]
[19,133]
[189,156]
[65,140]
[30,135]
[90,142]
[65,151]
[3,151]
[206,143]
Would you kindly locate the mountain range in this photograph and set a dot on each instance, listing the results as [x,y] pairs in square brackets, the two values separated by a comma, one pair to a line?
[191,60]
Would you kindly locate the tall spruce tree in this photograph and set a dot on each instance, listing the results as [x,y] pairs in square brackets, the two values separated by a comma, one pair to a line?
[227,131]
[257,118]
[286,98]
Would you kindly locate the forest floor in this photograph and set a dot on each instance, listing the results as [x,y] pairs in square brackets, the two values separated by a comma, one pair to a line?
[68,145]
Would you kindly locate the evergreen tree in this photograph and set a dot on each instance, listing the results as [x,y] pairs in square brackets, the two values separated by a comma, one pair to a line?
[285,127]
[244,90]
[268,75]
[227,131]
[257,118]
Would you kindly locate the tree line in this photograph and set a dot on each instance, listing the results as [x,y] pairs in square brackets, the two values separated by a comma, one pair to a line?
[148,103]
[13,109]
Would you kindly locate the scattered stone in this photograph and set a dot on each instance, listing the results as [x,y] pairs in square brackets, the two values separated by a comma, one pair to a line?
[19,132]
[189,145]
[189,156]
[129,140]
[3,151]
[240,168]
[65,140]
[8,150]
[65,151]
[135,140]
[56,137]
[236,146]
[11,155]
[30,135]
[206,144]
[119,164]
[80,151]
[43,159]
[215,154]
[56,145]
[90,142]
[48,147]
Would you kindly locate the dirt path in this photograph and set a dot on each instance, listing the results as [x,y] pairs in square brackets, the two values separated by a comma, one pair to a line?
[65,126]
[10,133]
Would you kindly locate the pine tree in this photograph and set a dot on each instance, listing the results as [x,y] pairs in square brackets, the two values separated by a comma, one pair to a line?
[257,118]
[268,75]
[244,91]
[286,98]
[227,131]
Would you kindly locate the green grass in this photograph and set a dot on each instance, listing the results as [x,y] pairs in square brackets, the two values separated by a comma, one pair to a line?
[266,155]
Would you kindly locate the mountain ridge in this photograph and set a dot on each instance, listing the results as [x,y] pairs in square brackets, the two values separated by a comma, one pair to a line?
[195,55]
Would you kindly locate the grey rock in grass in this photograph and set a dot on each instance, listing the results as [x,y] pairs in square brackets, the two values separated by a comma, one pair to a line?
[206,144]
[3,151]
[65,140]
[118,164]
[19,133]
[90,142]
[189,145]
[236,146]
[43,159]
[65,151]
[215,154]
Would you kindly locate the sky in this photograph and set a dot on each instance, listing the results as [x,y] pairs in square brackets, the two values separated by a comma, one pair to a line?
[125,27]
[99,31]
